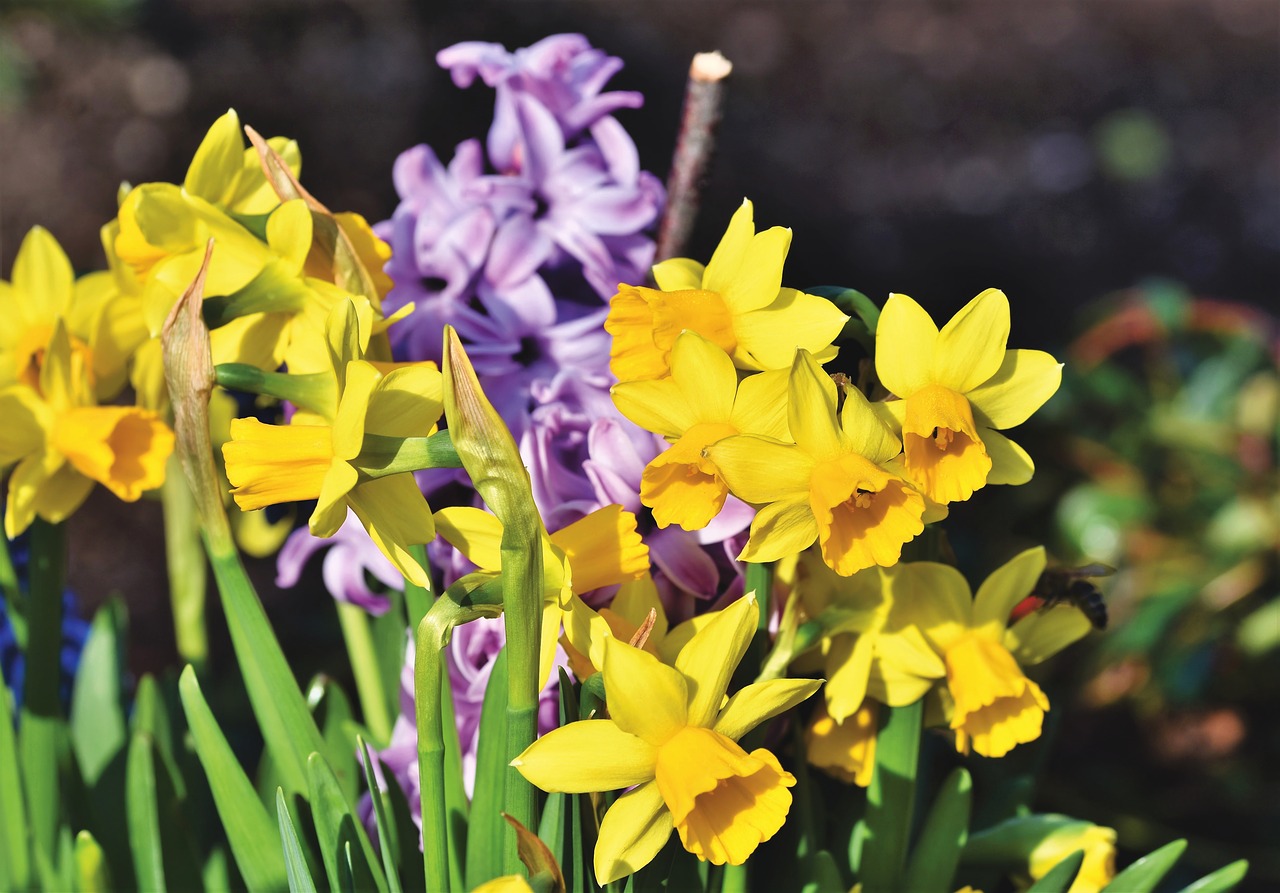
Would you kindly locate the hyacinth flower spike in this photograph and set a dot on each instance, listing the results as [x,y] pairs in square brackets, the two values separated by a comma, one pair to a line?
[958,386]
[672,736]
[835,484]
[702,402]
[63,442]
[991,705]
[736,302]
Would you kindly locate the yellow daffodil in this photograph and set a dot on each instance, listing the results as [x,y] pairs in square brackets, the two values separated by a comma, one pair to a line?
[991,704]
[673,736]
[62,441]
[845,749]
[834,484]
[43,291]
[270,464]
[1034,844]
[958,386]
[228,175]
[736,302]
[601,549]
[700,403]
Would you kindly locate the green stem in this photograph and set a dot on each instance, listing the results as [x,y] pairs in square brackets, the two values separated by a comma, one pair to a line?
[185,562]
[41,712]
[428,678]
[891,798]
[522,618]
[314,391]
[417,600]
[364,664]
[382,455]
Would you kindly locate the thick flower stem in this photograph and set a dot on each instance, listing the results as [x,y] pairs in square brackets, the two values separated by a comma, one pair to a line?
[428,679]
[185,563]
[364,665]
[41,720]
[522,618]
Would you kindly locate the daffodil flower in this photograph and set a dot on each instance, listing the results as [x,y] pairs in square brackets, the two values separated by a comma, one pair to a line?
[672,735]
[43,291]
[845,749]
[736,302]
[835,484]
[958,387]
[991,705]
[702,402]
[270,464]
[601,549]
[63,442]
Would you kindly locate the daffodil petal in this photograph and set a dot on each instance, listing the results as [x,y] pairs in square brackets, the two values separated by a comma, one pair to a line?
[1005,587]
[25,417]
[646,697]
[733,247]
[396,516]
[933,597]
[1042,634]
[907,651]
[759,470]
[761,404]
[331,505]
[759,701]
[1022,384]
[755,283]
[633,831]
[868,435]
[706,375]
[407,402]
[217,161]
[678,274]
[473,532]
[42,274]
[971,346]
[349,423]
[289,233]
[659,406]
[905,342]
[1010,463]
[61,494]
[708,661]
[780,529]
[811,412]
[586,756]
[849,669]
[793,320]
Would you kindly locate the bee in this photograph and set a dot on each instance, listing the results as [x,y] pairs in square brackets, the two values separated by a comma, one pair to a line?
[1068,586]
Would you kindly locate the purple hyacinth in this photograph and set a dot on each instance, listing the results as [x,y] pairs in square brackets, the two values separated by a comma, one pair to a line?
[351,554]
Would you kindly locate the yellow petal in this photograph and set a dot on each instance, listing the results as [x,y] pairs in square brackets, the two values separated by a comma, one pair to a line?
[706,375]
[760,701]
[121,447]
[632,832]
[793,320]
[646,697]
[846,749]
[905,342]
[733,248]
[394,512]
[1022,384]
[866,431]
[811,413]
[473,532]
[218,160]
[677,274]
[933,597]
[289,230]
[1010,463]
[863,514]
[1042,634]
[848,671]
[585,757]
[25,417]
[780,529]
[60,494]
[659,406]
[755,283]
[331,505]
[633,354]
[353,409]
[711,656]
[407,402]
[759,470]
[943,451]
[42,276]
[971,346]
[683,486]
[760,406]
[1004,588]
[996,706]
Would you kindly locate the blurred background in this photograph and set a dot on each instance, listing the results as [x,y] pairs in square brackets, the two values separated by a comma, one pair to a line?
[1114,167]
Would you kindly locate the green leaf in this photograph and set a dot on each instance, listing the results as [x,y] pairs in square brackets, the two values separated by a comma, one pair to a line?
[946,828]
[1059,878]
[890,799]
[346,850]
[387,842]
[486,832]
[406,832]
[98,726]
[332,711]
[1143,875]
[287,727]
[1220,881]
[864,315]
[821,875]
[143,816]
[250,831]
[295,863]
[15,861]
[91,866]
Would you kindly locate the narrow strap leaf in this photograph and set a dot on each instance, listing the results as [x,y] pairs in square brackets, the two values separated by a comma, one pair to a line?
[890,799]
[143,815]
[387,842]
[1060,877]
[295,863]
[936,855]
[1143,875]
[15,862]
[344,846]
[1220,881]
